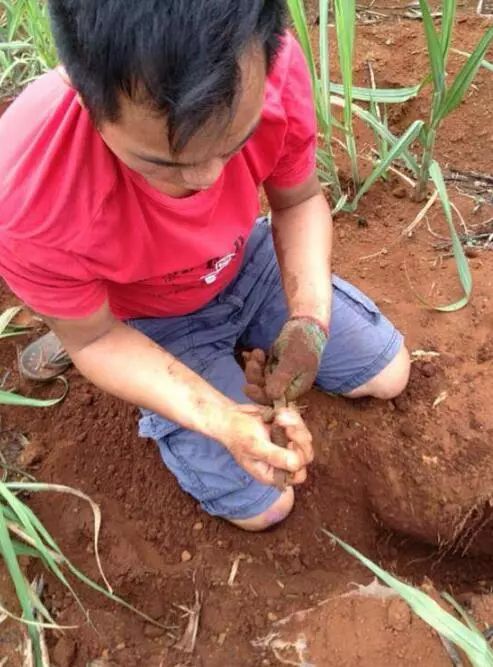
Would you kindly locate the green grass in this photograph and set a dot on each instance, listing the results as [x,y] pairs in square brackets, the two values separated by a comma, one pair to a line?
[446,98]
[26,44]
[23,534]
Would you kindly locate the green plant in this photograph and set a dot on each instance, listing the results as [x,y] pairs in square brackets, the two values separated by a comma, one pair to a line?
[26,43]
[328,94]
[445,98]
[320,77]
[23,534]
[467,637]
[345,17]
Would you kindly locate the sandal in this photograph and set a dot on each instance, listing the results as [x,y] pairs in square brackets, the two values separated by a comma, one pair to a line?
[44,358]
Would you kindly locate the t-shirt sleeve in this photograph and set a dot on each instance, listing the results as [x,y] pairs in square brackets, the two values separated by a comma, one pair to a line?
[48,280]
[298,158]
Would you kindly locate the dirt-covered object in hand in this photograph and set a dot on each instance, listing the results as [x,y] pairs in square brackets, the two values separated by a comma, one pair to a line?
[255,368]
[292,364]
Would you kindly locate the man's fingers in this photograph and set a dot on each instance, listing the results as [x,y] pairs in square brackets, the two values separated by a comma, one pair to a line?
[297,431]
[265,473]
[254,372]
[259,356]
[278,457]
[298,477]
[277,382]
[256,394]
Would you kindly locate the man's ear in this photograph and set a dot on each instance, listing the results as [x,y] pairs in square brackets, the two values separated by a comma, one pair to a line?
[63,74]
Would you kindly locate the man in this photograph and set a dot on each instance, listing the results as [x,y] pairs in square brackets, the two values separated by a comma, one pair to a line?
[128,203]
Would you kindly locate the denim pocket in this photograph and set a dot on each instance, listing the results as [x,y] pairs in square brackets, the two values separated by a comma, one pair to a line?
[354,298]
[153,426]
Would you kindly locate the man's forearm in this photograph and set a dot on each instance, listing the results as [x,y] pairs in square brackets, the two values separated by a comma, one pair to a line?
[127,364]
[303,241]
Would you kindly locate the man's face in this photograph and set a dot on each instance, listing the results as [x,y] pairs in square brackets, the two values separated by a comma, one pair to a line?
[140,139]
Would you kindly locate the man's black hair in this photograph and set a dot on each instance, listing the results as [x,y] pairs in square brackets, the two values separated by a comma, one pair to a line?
[180,57]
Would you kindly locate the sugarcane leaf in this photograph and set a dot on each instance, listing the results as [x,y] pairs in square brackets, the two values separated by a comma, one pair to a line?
[435,52]
[455,94]
[379,95]
[394,153]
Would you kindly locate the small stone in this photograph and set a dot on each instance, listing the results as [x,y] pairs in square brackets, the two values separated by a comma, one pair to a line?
[121,646]
[186,556]
[221,638]
[399,192]
[198,526]
[398,615]
[153,631]
[428,370]
[32,454]
[65,652]
[271,616]
[407,429]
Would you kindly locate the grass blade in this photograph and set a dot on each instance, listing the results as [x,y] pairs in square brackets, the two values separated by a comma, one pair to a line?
[345,18]
[7,316]
[484,63]
[17,400]
[9,556]
[461,262]
[473,644]
[380,128]
[394,153]
[449,8]
[379,95]
[37,532]
[458,89]
[96,512]
[435,52]
[324,61]
[298,15]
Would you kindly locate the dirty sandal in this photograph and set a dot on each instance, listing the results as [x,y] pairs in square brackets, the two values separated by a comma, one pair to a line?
[44,358]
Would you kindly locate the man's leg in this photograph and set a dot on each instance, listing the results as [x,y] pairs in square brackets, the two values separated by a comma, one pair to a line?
[205,342]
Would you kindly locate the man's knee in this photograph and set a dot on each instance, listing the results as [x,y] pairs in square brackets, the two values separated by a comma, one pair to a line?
[276,513]
[394,378]
[390,382]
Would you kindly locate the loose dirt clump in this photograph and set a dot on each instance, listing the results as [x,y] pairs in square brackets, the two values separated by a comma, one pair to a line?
[370,627]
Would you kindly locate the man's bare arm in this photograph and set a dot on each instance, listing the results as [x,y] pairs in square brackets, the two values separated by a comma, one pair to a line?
[127,364]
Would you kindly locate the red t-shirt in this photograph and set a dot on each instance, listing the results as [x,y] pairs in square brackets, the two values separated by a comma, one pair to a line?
[78,227]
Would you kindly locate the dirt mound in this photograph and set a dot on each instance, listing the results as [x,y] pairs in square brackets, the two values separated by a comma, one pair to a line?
[432,476]
[370,627]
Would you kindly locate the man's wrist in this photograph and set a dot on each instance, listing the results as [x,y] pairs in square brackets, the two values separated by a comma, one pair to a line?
[319,323]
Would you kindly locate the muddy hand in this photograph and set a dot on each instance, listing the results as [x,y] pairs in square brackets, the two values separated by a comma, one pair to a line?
[294,359]
[287,429]
[248,438]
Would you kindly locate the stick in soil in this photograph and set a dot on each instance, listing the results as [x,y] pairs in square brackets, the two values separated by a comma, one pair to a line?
[187,642]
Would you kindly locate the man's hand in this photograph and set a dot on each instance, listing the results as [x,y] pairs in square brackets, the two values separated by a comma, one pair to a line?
[247,438]
[292,364]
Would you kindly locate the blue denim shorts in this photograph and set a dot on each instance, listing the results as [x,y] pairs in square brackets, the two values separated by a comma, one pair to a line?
[250,313]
